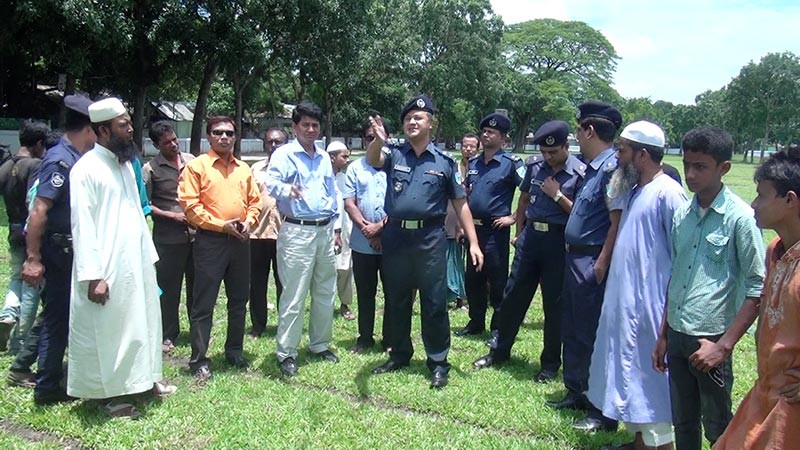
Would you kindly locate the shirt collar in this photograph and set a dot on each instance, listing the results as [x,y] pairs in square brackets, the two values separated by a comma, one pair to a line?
[598,162]
[718,204]
[215,156]
[407,147]
[161,161]
[572,163]
[787,255]
[297,148]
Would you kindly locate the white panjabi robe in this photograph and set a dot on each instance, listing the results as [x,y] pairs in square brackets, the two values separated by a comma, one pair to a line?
[114,349]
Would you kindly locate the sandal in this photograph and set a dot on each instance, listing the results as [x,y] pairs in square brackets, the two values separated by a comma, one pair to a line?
[162,390]
[348,315]
[121,411]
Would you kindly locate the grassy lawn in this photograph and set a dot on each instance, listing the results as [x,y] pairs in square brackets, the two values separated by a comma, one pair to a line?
[336,406]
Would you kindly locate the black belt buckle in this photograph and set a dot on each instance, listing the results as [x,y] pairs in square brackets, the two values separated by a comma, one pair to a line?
[62,240]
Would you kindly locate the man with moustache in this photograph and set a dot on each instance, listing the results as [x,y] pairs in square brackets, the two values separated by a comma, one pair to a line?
[220,198]
[115,316]
[621,382]
[548,187]
[49,246]
[492,178]
[264,239]
[420,181]
[172,234]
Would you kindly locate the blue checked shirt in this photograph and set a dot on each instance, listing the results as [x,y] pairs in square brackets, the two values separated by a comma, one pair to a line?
[717,261]
[368,186]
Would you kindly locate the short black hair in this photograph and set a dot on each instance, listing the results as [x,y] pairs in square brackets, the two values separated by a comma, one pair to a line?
[214,120]
[31,132]
[76,121]
[604,128]
[782,168]
[53,138]
[279,130]
[307,109]
[158,130]
[470,136]
[712,141]
[656,153]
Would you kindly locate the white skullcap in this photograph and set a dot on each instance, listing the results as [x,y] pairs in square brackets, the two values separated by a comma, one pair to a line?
[644,132]
[106,109]
[336,146]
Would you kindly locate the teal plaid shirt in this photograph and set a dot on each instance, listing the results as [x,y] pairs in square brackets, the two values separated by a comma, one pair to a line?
[717,261]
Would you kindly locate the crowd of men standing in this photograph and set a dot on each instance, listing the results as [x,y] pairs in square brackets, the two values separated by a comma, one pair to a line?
[637,280]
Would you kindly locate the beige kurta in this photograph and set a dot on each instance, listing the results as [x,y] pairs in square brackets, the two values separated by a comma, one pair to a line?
[114,349]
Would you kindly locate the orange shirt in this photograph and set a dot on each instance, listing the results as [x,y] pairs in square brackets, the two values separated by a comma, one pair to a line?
[212,192]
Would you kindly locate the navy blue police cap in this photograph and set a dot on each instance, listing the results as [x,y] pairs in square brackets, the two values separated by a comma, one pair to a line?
[419,103]
[78,103]
[602,110]
[552,134]
[497,121]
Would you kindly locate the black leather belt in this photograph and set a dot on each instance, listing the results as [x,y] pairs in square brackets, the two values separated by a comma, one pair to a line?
[314,222]
[62,240]
[417,224]
[484,222]
[584,249]
[545,227]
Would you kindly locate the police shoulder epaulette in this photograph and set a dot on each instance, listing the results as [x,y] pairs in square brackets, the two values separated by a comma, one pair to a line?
[64,164]
[512,156]
[533,159]
[610,165]
[446,155]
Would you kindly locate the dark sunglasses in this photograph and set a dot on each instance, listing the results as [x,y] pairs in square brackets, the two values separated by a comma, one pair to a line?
[369,138]
[229,133]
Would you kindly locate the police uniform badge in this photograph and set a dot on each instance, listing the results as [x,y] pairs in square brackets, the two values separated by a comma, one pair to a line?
[550,140]
[420,103]
[493,123]
[398,186]
[57,180]
[457,176]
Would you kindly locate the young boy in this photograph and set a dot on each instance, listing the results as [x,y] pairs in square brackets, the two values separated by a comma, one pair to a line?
[769,415]
[717,271]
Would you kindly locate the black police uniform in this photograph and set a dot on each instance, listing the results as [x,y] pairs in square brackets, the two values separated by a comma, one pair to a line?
[415,249]
[491,187]
[56,251]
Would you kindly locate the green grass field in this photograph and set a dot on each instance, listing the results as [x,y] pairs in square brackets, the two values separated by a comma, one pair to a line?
[336,406]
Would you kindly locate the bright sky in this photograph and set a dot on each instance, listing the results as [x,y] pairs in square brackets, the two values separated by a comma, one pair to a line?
[675,50]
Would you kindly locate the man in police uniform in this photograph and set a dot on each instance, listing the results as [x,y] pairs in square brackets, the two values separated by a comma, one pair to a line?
[420,181]
[589,235]
[492,178]
[49,246]
[544,205]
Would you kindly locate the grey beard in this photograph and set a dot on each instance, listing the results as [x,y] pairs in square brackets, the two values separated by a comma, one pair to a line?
[622,181]
[124,150]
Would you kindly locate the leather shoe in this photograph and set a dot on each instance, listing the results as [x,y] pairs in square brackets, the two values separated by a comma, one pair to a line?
[545,376]
[360,349]
[288,367]
[570,401]
[51,397]
[438,379]
[388,366]
[590,424]
[203,374]
[238,362]
[327,355]
[468,331]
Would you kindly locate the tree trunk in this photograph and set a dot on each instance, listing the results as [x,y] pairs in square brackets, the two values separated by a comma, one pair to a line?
[209,71]
[523,123]
[238,92]
[330,102]
[766,139]
[69,89]
[138,116]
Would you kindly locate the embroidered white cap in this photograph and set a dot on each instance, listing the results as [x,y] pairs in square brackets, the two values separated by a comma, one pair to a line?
[644,132]
[106,109]
[336,146]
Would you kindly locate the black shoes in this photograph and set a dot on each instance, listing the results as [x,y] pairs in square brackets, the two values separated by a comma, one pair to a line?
[590,424]
[492,341]
[388,366]
[238,362]
[545,376]
[327,355]
[51,397]
[360,349]
[469,331]
[570,401]
[438,379]
[288,367]
[203,374]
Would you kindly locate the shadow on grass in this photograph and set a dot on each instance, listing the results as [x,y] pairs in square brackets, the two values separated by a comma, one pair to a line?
[91,414]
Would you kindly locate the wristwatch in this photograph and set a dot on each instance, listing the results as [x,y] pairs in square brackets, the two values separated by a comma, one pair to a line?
[558,196]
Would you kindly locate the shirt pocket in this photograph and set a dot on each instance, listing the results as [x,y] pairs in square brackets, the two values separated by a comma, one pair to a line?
[433,183]
[717,247]
[400,181]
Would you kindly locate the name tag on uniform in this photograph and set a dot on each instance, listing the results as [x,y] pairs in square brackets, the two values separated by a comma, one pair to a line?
[473,172]
[403,169]
[435,172]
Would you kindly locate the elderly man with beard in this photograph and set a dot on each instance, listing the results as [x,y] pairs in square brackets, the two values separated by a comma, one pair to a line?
[621,382]
[115,315]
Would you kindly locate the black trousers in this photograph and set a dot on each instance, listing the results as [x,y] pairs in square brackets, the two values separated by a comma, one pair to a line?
[417,259]
[174,261]
[263,254]
[218,257]
[486,287]
[54,318]
[539,260]
[366,269]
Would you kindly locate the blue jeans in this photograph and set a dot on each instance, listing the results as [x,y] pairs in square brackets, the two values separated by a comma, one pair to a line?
[22,299]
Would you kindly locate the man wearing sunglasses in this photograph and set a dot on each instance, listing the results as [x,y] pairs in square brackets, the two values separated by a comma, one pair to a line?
[221,199]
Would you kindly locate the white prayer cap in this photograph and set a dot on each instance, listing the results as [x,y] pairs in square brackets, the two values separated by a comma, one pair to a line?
[336,146]
[106,109]
[644,132]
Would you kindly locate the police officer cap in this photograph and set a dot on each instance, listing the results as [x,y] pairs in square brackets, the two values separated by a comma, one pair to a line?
[594,108]
[78,103]
[644,132]
[420,103]
[552,134]
[497,121]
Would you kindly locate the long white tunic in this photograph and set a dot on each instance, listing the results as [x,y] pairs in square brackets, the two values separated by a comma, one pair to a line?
[114,349]
[622,381]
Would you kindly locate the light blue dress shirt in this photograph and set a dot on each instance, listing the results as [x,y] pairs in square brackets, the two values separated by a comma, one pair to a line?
[368,186]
